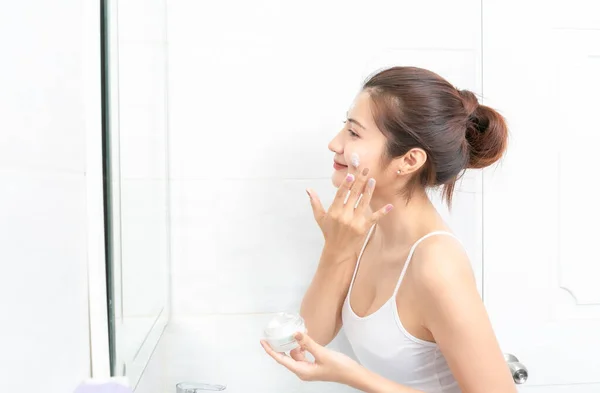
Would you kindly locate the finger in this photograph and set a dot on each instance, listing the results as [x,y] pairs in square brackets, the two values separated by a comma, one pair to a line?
[317,206]
[342,192]
[308,344]
[298,354]
[380,213]
[356,190]
[281,358]
[366,196]
[275,355]
[266,347]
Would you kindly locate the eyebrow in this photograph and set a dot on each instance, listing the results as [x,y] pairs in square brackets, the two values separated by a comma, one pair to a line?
[357,123]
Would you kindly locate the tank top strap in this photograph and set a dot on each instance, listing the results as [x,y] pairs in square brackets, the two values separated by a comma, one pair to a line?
[360,257]
[412,251]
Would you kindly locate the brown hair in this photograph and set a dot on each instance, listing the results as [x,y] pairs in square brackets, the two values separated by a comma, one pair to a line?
[416,108]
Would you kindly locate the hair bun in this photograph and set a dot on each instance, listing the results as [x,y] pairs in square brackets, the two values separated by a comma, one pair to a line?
[486,132]
[470,101]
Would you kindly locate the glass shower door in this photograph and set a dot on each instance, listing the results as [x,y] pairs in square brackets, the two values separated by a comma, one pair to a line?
[136,180]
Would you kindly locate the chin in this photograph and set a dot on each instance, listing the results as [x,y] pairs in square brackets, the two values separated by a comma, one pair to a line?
[337,178]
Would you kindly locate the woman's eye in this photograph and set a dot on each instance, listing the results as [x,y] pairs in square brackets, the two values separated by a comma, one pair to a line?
[352,133]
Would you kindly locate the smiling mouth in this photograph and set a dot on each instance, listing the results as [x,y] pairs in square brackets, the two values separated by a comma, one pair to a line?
[337,166]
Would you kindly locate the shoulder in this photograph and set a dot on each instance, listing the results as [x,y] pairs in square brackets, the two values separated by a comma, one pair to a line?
[441,268]
[452,310]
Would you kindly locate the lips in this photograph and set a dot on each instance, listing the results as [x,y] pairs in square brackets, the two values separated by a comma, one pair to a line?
[337,166]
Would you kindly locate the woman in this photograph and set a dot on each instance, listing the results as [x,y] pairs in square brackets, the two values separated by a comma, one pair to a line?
[397,279]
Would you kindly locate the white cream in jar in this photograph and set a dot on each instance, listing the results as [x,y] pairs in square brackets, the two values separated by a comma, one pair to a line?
[280,331]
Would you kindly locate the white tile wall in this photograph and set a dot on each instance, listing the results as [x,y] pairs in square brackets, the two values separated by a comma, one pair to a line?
[269,84]
[256,91]
[41,83]
[264,241]
[44,332]
[43,285]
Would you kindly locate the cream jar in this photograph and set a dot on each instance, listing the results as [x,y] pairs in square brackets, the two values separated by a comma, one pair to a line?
[280,331]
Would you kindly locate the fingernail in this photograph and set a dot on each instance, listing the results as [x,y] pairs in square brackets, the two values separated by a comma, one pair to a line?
[308,193]
[388,208]
[365,171]
[350,178]
[371,183]
[298,336]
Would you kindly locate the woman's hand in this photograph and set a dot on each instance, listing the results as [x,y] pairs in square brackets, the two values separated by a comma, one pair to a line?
[328,366]
[346,223]
[331,366]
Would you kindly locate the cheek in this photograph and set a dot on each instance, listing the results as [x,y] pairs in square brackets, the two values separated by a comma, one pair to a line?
[366,159]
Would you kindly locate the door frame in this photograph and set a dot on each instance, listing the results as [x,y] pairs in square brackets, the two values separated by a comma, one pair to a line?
[96,258]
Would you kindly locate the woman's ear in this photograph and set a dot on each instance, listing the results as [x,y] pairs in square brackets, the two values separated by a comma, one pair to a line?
[410,162]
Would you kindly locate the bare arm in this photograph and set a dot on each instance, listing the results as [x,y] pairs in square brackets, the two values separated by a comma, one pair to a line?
[455,315]
[344,228]
[322,303]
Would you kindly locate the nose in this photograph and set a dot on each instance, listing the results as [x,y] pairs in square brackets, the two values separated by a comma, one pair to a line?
[336,145]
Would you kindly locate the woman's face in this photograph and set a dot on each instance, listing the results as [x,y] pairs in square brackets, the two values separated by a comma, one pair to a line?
[360,135]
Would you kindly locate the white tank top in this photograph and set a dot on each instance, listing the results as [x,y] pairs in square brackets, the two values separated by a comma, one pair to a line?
[382,345]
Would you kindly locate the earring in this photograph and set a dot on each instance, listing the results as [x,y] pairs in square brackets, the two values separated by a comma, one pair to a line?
[399,171]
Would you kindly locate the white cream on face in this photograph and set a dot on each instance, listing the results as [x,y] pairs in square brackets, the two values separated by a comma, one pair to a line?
[355,160]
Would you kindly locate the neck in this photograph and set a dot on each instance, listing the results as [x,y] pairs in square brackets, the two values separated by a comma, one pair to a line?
[407,221]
